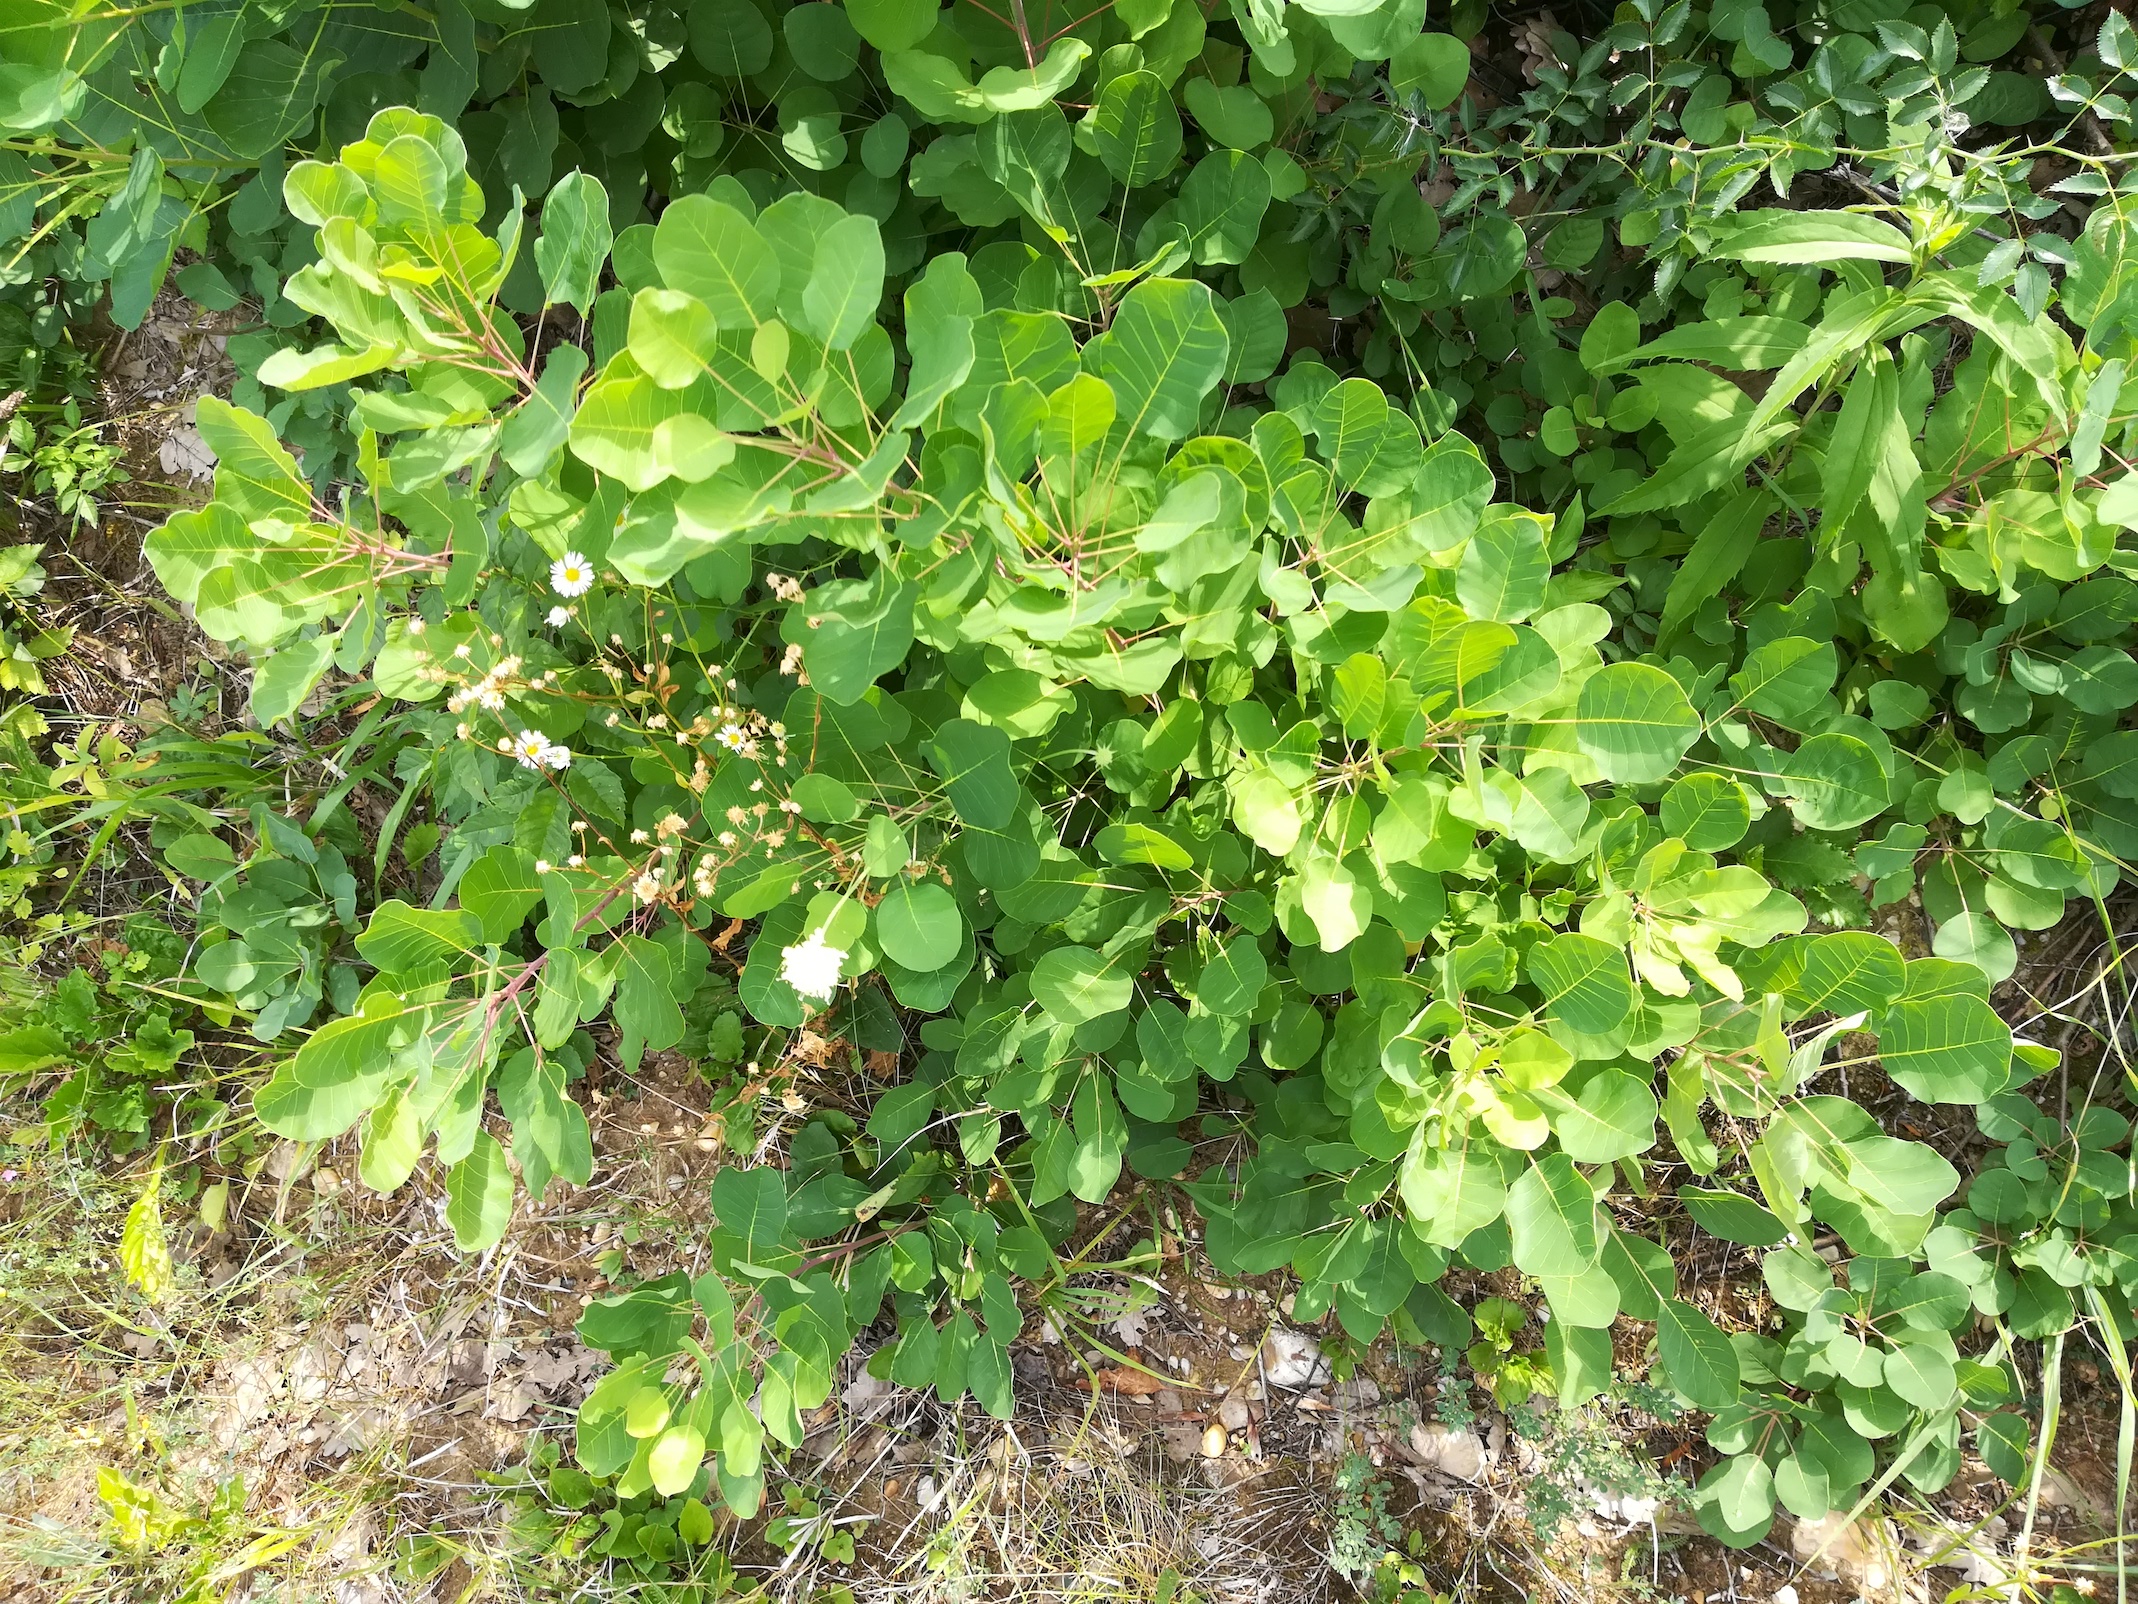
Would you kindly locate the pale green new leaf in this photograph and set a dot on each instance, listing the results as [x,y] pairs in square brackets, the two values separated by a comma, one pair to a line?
[1803,238]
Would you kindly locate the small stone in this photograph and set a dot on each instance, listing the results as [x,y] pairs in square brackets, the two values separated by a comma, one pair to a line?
[1214,1439]
[1293,1359]
[1785,1594]
[1450,1451]
[1841,1547]
[1182,1441]
[1232,1413]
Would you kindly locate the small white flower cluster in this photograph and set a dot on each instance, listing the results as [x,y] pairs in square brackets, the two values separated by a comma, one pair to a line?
[659,871]
[785,589]
[569,576]
[754,818]
[487,693]
[812,968]
[744,733]
[536,751]
[701,876]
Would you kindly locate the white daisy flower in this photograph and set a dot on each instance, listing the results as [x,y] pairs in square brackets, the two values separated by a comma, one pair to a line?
[558,757]
[731,737]
[531,747]
[571,575]
[811,967]
[559,616]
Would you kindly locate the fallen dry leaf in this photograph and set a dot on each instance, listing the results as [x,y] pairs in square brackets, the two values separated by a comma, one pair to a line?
[1133,1382]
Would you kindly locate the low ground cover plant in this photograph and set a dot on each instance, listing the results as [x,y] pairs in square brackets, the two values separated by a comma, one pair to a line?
[1429,663]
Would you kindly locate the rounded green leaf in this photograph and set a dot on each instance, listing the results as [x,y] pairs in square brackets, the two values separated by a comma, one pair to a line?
[1732,1216]
[854,630]
[1611,1117]
[1921,1374]
[1635,721]
[1708,812]
[1585,982]
[1743,1490]
[1233,980]
[1264,807]
[824,800]
[918,924]
[1697,1358]
[1135,129]
[1835,782]
[1237,116]
[894,24]
[884,146]
[1142,843]
[575,240]
[478,1196]
[613,430]
[1551,1213]
[1785,679]
[974,760]
[1901,1176]
[1335,900]
[1435,66]
[1503,570]
[1978,939]
[1803,1486]
[822,40]
[730,38]
[1848,972]
[1165,351]
[672,336]
[1952,1049]
[705,247]
[845,282]
[2006,1443]
[1480,258]
[1075,984]
[1017,700]
[674,1460]
[282,682]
